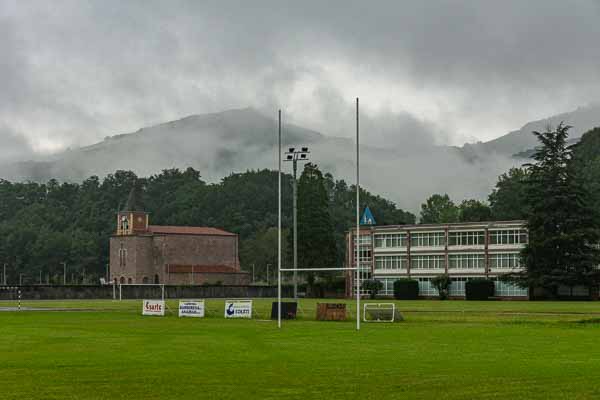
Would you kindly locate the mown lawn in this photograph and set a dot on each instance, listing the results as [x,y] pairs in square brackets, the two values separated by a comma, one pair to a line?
[443,350]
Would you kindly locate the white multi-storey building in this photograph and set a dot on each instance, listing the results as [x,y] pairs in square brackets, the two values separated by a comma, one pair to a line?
[421,252]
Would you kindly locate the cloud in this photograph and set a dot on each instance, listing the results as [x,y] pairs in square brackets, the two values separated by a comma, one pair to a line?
[427,73]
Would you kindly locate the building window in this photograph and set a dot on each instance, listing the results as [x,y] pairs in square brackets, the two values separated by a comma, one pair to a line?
[426,288]
[472,238]
[365,240]
[122,280]
[129,280]
[508,236]
[427,261]
[466,261]
[428,239]
[505,260]
[390,262]
[388,286]
[509,289]
[457,286]
[391,240]
[145,280]
[122,256]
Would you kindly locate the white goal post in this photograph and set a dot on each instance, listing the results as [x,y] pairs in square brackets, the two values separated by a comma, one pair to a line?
[379,312]
[160,285]
[357,245]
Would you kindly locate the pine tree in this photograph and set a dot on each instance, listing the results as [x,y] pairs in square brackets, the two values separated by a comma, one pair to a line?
[563,232]
[316,240]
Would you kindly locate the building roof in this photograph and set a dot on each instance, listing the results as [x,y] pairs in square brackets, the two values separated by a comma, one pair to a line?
[188,230]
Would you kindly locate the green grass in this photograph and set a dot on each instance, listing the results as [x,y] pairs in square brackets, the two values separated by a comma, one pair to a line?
[443,350]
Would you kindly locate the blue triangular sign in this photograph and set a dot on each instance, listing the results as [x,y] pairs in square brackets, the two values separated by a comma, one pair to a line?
[367,217]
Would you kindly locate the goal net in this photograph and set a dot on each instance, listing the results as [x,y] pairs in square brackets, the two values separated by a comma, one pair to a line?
[379,312]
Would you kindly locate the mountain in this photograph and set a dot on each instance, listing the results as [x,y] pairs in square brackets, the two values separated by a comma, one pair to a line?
[219,144]
[521,142]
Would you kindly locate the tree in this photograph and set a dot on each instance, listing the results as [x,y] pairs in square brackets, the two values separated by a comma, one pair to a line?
[316,241]
[586,163]
[442,284]
[474,211]
[563,231]
[508,199]
[439,209]
[373,286]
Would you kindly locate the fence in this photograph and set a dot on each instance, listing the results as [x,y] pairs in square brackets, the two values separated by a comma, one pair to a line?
[82,292]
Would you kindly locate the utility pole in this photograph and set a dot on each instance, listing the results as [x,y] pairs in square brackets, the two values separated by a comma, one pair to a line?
[294,155]
[252,273]
[64,272]
[20,279]
[4,275]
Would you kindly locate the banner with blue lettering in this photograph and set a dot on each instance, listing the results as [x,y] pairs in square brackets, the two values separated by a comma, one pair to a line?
[238,309]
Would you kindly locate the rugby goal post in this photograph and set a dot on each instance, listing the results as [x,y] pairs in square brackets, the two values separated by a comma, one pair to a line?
[357,245]
[379,312]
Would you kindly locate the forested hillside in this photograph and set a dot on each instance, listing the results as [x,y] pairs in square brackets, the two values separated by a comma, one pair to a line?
[43,225]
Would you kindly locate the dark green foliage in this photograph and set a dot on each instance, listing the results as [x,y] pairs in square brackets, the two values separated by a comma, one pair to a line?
[43,225]
[439,209]
[563,228]
[442,284]
[474,211]
[479,289]
[373,286]
[586,163]
[508,200]
[406,289]
[316,240]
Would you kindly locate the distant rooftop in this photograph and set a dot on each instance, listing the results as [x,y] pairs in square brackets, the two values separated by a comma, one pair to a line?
[188,230]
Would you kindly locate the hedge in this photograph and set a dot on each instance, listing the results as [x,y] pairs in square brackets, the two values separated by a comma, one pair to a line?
[406,289]
[479,289]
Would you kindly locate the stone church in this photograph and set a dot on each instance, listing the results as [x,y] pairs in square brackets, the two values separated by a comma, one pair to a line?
[173,255]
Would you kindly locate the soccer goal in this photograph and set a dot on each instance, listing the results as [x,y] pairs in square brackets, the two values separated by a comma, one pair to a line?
[141,291]
[379,312]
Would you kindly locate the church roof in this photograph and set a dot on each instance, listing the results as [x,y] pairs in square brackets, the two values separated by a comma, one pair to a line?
[188,230]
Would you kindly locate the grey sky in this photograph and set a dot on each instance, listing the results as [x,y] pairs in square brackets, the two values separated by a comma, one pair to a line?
[72,72]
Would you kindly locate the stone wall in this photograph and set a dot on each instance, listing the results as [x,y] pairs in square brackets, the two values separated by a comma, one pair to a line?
[82,292]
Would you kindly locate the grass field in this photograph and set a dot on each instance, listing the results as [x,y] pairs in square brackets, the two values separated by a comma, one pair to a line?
[443,350]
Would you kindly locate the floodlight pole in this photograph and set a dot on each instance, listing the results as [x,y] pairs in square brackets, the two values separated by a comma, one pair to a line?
[295,203]
[357,245]
[279,227]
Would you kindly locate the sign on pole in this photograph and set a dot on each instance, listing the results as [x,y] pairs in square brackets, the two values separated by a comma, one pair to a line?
[153,307]
[191,308]
[238,309]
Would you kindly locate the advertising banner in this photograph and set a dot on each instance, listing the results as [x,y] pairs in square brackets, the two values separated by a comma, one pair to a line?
[153,307]
[191,308]
[238,309]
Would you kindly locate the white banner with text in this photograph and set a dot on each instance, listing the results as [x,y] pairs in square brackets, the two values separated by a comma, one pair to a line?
[238,309]
[191,308]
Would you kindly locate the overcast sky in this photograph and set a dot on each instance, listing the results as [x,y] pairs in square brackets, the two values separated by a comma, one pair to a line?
[72,72]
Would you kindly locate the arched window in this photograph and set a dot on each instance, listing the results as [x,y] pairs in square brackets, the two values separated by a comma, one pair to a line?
[122,280]
[129,280]
[145,280]
[156,279]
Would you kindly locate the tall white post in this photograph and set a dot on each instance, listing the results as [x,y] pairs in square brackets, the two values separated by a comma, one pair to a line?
[279,228]
[357,245]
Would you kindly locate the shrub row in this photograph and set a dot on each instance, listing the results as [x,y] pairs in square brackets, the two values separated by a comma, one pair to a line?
[408,289]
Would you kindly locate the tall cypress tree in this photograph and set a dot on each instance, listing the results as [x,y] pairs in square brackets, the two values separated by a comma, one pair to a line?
[316,240]
[563,233]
